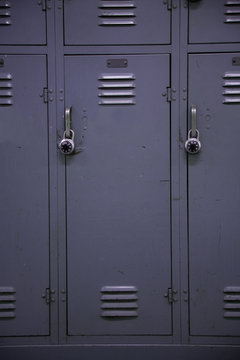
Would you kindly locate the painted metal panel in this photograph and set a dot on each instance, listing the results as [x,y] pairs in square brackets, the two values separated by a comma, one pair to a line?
[118,199]
[22,22]
[24,215]
[90,22]
[214,200]
[215,21]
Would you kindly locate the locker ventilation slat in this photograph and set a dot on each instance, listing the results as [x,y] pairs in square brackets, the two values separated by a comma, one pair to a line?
[7,302]
[119,301]
[5,12]
[6,89]
[231,88]
[116,89]
[117,13]
[232,302]
[232,11]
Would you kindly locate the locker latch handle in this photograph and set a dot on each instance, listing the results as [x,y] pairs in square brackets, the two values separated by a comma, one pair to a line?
[66,145]
[193,144]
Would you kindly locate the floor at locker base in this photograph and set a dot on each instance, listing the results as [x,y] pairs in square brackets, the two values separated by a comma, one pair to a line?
[120,352]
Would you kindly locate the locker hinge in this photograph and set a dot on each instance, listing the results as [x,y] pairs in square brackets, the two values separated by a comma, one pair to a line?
[171,295]
[47,95]
[171,4]
[46,4]
[48,295]
[171,94]
[168,3]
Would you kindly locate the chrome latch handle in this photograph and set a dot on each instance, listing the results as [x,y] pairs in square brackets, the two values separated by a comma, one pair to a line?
[68,120]
[67,145]
[193,144]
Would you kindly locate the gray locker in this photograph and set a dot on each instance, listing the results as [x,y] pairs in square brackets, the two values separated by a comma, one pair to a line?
[116,22]
[215,21]
[214,196]
[118,196]
[22,22]
[24,214]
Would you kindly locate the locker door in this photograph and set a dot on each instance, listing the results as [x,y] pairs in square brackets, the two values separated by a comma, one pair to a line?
[116,22]
[214,196]
[24,215]
[118,196]
[215,21]
[22,22]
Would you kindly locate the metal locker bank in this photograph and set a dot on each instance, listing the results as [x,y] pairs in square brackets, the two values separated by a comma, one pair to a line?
[120,181]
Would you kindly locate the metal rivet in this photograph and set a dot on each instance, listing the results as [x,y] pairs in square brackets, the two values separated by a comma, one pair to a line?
[164,94]
[184,98]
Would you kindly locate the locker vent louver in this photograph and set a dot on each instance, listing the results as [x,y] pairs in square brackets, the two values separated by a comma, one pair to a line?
[7,302]
[6,89]
[5,13]
[117,13]
[232,12]
[232,302]
[119,301]
[231,86]
[116,89]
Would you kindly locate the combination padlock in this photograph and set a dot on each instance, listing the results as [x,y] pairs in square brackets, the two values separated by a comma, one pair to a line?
[193,144]
[66,145]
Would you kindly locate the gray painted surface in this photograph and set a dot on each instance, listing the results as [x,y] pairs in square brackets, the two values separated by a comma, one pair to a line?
[24,256]
[119,211]
[214,21]
[84,20]
[22,23]
[214,179]
[118,194]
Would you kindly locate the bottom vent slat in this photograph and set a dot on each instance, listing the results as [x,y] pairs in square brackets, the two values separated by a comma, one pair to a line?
[119,301]
[231,302]
[121,313]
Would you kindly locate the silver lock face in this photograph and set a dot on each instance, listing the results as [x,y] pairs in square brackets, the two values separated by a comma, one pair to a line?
[66,145]
[193,144]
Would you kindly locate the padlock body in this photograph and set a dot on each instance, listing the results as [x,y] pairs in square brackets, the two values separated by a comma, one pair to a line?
[192,146]
[66,146]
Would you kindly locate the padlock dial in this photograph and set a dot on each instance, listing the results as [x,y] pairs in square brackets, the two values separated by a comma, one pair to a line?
[66,146]
[193,146]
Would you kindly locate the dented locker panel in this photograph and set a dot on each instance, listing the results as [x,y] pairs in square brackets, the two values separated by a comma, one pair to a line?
[22,22]
[116,22]
[215,21]
[118,196]
[24,214]
[214,196]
